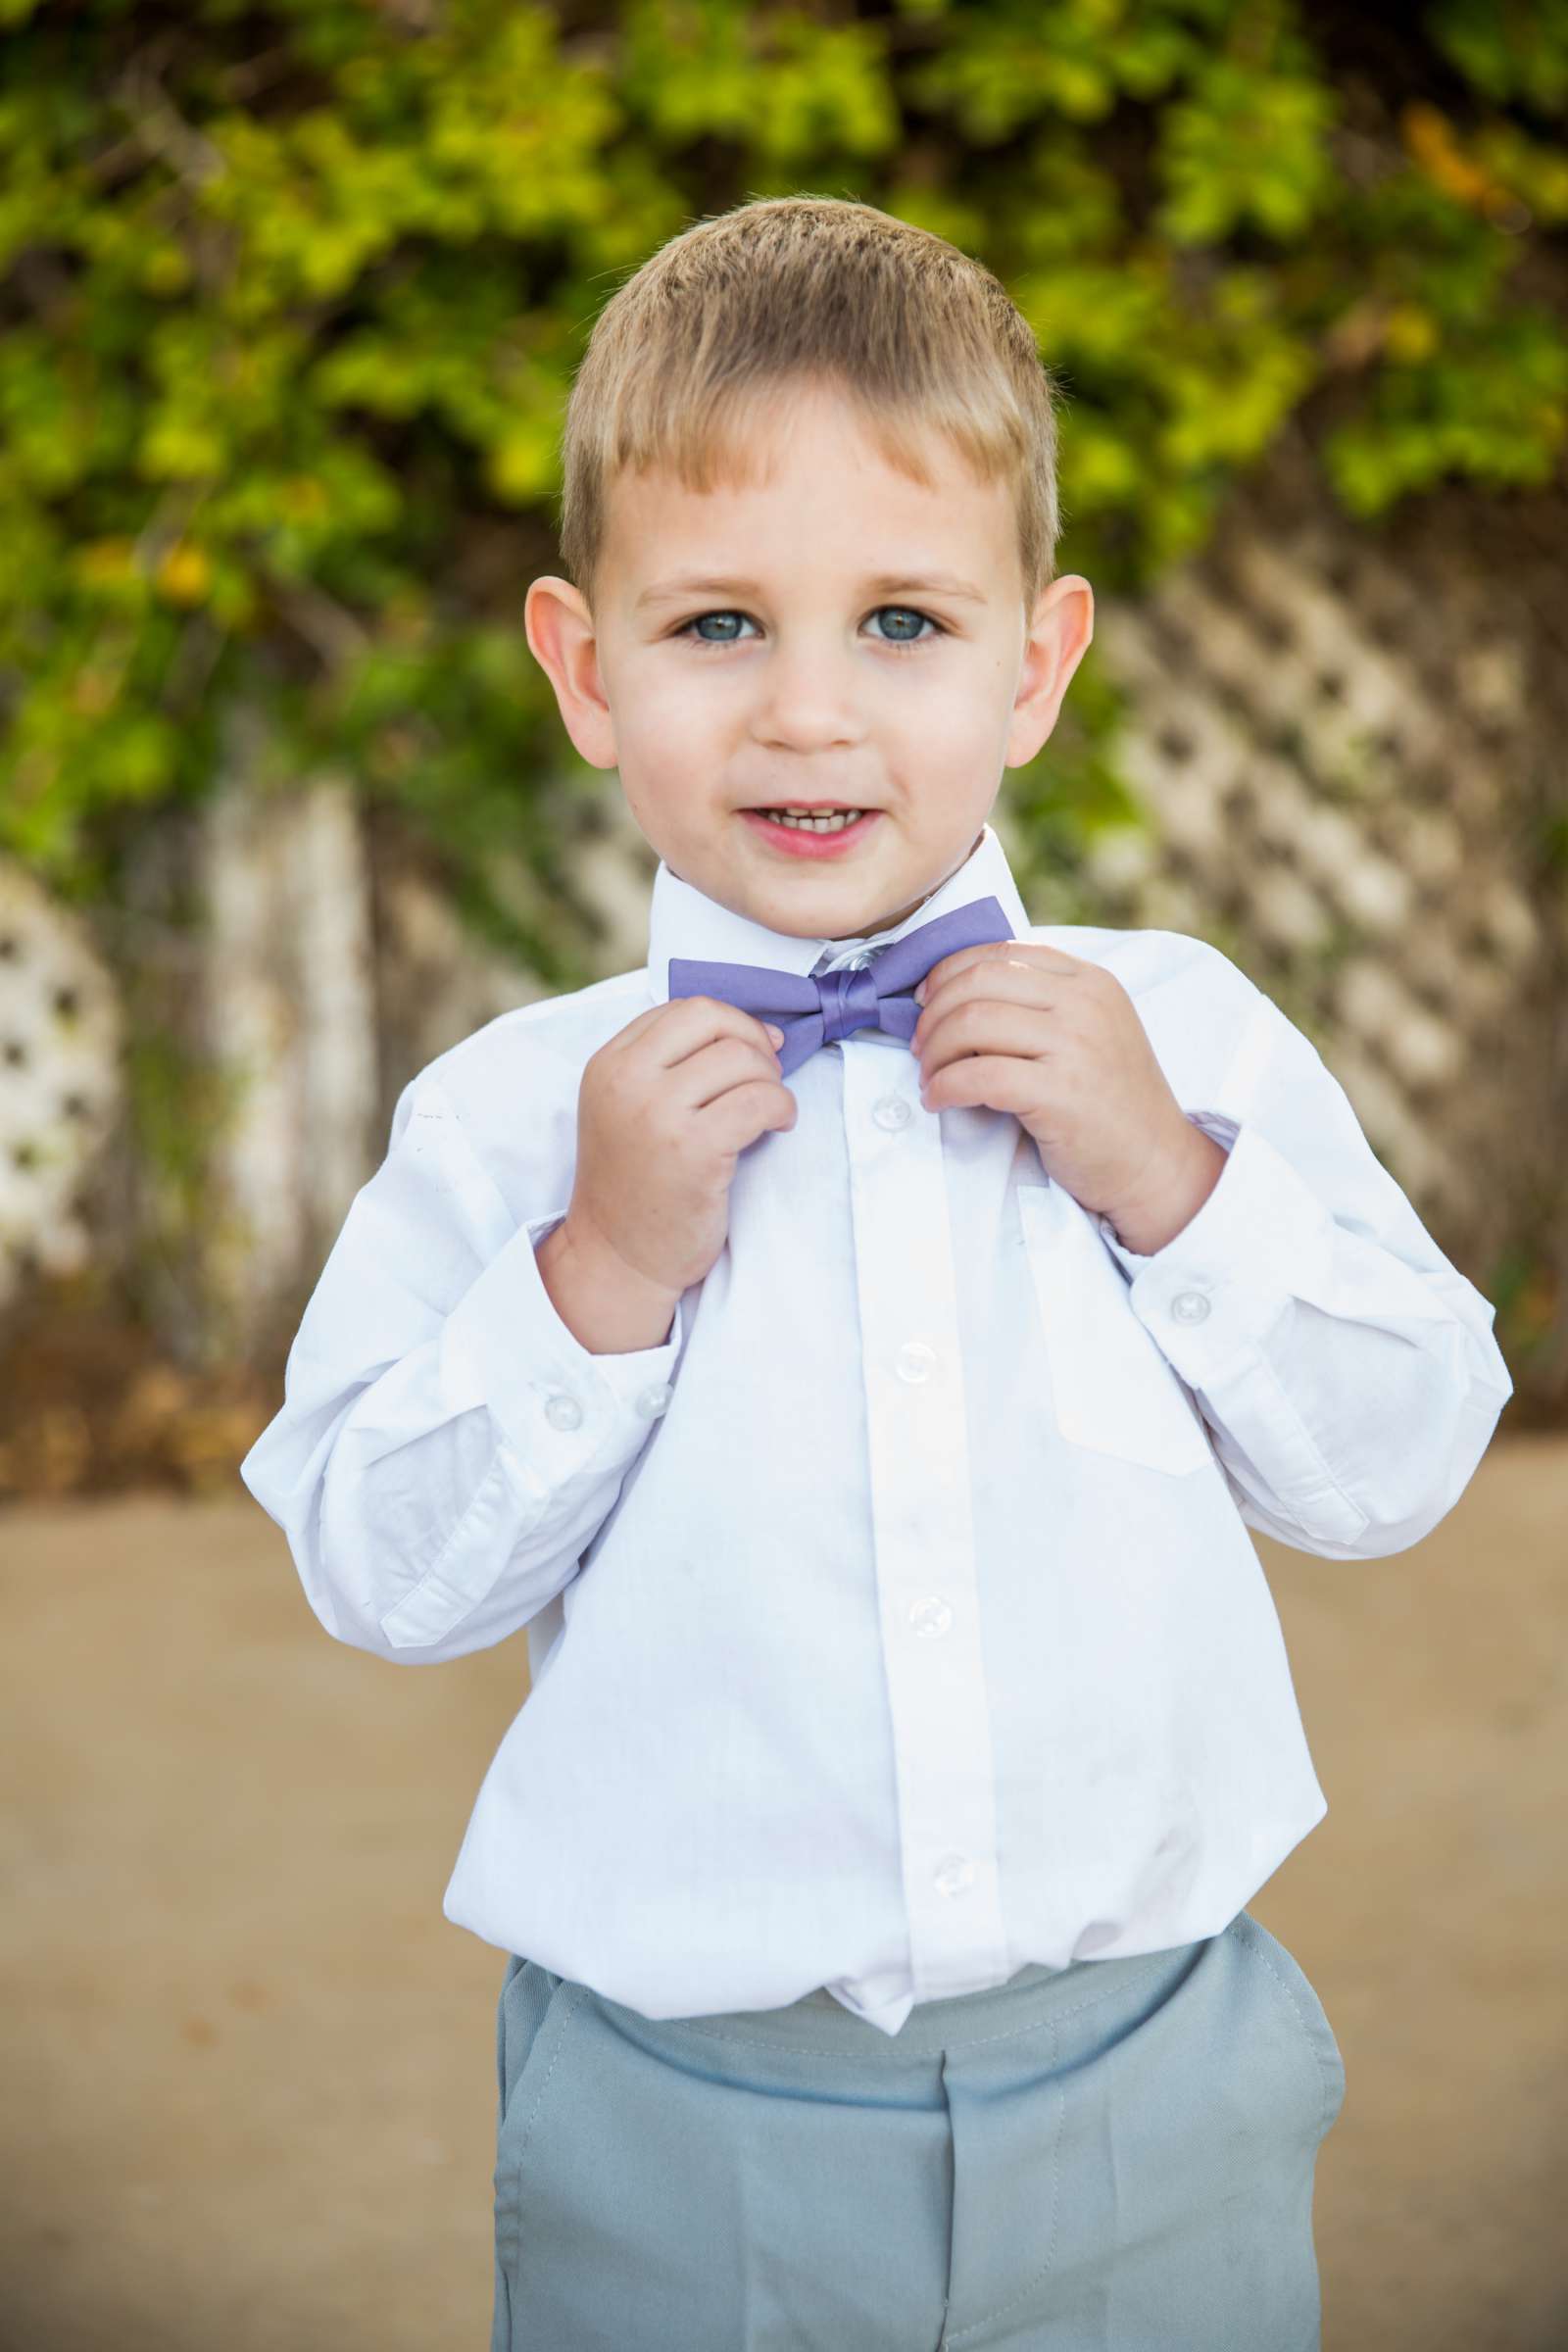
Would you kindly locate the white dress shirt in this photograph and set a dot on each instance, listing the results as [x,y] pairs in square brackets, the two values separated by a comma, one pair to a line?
[895,1623]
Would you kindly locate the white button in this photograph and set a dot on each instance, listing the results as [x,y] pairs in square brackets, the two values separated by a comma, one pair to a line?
[1189,1306]
[915,1361]
[858,961]
[563,1412]
[654,1399]
[930,1616]
[953,1875]
[892,1112]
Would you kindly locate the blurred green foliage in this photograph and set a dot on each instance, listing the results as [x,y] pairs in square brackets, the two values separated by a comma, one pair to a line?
[292,295]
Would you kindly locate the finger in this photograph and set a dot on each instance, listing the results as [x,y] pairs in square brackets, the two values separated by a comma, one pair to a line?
[986,1081]
[1030,951]
[993,983]
[638,1026]
[689,1023]
[738,1117]
[714,1069]
[984,1027]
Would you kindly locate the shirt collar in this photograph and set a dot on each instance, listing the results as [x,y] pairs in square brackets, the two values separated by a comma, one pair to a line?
[682,920]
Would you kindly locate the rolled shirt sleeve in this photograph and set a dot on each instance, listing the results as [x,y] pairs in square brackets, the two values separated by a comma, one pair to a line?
[1347,1370]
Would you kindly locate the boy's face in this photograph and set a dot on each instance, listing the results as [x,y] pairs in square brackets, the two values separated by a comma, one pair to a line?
[812,654]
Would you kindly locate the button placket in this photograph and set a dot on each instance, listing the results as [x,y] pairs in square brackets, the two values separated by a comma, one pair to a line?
[923,1530]
[930,1617]
[953,1875]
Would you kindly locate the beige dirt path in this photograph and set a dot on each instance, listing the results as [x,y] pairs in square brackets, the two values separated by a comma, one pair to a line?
[249,2065]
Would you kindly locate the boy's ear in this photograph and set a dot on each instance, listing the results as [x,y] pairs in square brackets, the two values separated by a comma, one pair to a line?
[1059,632]
[563,640]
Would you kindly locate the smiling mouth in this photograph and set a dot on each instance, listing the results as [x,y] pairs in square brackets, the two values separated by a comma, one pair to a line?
[826,819]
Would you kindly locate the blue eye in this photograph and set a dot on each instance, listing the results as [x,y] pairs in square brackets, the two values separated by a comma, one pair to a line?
[908,613]
[689,628]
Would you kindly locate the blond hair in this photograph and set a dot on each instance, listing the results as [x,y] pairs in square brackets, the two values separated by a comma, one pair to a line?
[795,289]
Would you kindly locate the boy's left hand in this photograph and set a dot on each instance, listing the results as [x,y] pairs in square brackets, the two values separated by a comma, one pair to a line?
[1018,1026]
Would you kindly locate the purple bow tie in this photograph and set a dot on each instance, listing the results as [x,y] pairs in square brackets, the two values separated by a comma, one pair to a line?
[813,1011]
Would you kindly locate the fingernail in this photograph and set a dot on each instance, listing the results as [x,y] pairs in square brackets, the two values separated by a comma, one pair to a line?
[920,994]
[777,1035]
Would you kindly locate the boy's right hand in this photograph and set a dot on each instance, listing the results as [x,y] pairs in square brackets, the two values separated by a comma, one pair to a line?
[665,1110]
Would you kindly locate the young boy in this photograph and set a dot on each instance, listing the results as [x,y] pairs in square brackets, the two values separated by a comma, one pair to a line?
[856,1345]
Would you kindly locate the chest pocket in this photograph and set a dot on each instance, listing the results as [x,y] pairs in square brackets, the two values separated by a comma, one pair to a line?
[1112,1389]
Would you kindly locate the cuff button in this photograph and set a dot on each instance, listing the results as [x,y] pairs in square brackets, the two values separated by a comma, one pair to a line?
[563,1412]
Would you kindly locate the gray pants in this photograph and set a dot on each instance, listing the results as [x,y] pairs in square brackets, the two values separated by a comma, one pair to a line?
[1114,2157]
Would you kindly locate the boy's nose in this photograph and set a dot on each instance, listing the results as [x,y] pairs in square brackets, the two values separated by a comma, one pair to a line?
[804,703]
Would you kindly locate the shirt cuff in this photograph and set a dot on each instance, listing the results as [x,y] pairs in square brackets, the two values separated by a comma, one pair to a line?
[1210,1294]
[561,1408]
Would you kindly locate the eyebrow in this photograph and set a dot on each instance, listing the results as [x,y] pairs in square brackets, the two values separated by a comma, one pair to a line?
[883,583]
